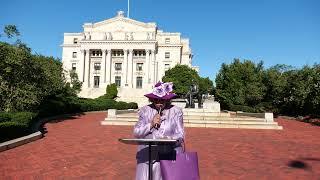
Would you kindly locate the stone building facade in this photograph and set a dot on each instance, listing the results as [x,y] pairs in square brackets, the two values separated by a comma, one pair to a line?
[132,54]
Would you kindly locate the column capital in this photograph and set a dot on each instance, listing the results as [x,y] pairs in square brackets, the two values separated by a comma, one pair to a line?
[148,51]
[125,51]
[109,51]
[130,51]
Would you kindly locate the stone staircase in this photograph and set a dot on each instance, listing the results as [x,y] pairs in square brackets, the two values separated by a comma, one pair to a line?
[199,118]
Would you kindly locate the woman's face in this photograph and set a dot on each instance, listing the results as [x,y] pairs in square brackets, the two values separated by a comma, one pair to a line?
[159,103]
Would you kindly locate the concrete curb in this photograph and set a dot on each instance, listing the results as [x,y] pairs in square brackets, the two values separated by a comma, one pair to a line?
[20,141]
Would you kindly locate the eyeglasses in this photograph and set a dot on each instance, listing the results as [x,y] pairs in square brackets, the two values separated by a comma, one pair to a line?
[158,101]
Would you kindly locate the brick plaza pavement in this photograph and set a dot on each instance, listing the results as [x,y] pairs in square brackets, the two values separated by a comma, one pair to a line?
[81,148]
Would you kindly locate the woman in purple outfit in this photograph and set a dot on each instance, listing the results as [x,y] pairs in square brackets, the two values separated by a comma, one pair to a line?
[158,120]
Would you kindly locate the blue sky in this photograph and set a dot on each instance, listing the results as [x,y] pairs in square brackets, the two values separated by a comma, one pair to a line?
[274,31]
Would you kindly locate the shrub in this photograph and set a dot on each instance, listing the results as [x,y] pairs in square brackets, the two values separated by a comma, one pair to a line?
[26,118]
[11,129]
[16,125]
[121,105]
[132,105]
[243,108]
[111,91]
[4,116]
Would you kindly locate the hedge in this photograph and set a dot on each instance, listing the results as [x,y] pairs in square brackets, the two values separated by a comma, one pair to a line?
[14,125]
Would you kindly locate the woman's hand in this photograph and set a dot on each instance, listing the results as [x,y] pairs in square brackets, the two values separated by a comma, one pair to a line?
[156,120]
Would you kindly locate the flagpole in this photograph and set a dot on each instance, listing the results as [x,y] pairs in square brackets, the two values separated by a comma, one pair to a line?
[128,9]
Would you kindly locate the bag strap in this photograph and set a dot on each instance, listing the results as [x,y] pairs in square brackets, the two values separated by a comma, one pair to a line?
[183,144]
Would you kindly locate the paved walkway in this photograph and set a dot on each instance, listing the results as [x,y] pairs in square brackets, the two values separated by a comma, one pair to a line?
[80,148]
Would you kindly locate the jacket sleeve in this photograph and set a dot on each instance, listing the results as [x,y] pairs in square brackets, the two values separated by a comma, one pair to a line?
[142,127]
[179,130]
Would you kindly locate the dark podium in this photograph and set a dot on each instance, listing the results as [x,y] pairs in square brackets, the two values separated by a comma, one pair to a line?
[149,142]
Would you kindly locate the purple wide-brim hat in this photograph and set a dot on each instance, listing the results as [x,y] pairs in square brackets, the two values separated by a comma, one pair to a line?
[162,91]
[166,97]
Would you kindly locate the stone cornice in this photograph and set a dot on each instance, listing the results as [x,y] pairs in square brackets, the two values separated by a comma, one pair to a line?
[72,34]
[124,19]
[168,34]
[117,42]
[170,45]
[70,45]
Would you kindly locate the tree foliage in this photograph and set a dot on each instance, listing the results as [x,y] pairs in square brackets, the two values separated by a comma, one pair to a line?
[182,77]
[111,91]
[205,86]
[27,80]
[18,79]
[281,89]
[240,83]
[11,31]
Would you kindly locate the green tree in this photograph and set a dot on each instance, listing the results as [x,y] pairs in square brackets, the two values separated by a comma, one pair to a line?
[11,31]
[181,76]
[75,83]
[18,78]
[240,83]
[111,91]
[303,91]
[276,80]
[205,86]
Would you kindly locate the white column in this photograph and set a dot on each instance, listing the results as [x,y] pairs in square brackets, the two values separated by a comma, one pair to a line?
[86,67]
[147,79]
[157,71]
[125,60]
[103,66]
[156,67]
[81,69]
[89,68]
[130,68]
[153,62]
[109,66]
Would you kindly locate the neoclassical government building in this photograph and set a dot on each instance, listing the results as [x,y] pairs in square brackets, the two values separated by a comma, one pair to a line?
[134,55]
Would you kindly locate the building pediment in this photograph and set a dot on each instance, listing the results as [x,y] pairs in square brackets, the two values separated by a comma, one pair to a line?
[119,23]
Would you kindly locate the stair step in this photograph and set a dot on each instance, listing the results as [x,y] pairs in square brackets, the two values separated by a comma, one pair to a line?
[232,122]
[125,123]
[195,120]
[208,125]
[276,127]
[124,116]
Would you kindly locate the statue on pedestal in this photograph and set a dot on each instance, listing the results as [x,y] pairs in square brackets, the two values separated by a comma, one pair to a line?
[193,90]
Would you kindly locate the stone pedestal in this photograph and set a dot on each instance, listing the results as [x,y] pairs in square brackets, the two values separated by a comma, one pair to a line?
[268,117]
[211,105]
[179,102]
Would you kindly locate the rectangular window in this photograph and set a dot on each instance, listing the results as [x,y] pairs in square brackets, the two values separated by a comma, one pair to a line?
[74,66]
[74,54]
[75,40]
[97,66]
[167,40]
[96,81]
[118,53]
[167,55]
[166,67]
[117,80]
[139,83]
[117,66]
[139,66]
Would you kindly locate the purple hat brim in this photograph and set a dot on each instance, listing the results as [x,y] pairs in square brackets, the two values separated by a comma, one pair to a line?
[166,97]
